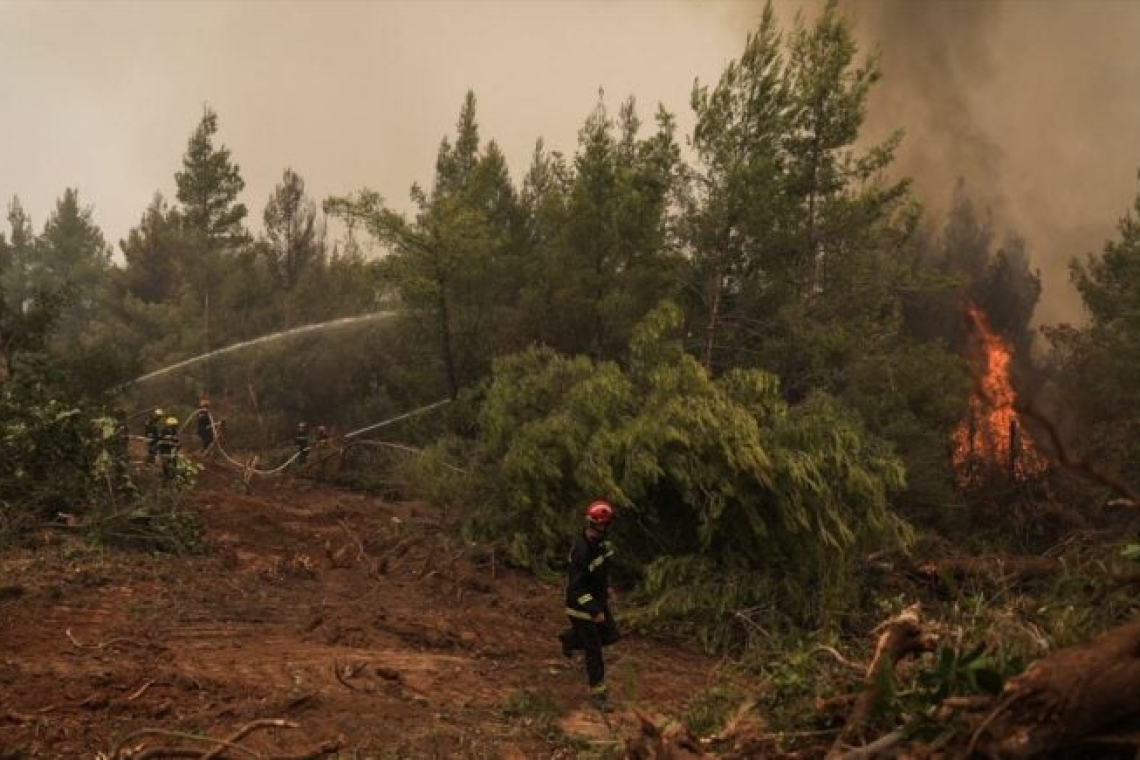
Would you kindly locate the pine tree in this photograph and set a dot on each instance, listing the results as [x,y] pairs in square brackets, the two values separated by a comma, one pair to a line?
[27,314]
[294,236]
[1099,374]
[74,257]
[208,188]
[450,260]
[152,250]
[212,218]
[20,254]
[735,199]
[612,258]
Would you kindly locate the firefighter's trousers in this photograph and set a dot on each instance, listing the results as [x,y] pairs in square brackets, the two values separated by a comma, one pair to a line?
[590,637]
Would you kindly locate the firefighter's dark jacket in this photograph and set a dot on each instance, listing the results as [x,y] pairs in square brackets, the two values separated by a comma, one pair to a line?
[587,583]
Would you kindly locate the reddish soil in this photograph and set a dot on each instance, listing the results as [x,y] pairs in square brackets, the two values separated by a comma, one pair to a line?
[369,627]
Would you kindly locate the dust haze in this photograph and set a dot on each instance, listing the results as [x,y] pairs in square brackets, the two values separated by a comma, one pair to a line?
[1033,104]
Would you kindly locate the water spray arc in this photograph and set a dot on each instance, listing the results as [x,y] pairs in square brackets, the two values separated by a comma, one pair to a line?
[250,468]
[343,322]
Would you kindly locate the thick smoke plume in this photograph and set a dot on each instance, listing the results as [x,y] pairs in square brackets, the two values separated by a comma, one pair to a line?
[1033,105]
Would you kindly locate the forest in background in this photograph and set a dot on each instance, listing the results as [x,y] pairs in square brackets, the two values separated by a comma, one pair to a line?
[750,338]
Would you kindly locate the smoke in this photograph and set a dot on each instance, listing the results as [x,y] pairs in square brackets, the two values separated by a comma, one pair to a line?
[1032,104]
[933,56]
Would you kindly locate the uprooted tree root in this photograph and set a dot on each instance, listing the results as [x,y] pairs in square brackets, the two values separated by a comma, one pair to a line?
[1076,699]
[1067,698]
[746,735]
[217,748]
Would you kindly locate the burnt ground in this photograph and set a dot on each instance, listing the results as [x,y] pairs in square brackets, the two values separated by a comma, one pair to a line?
[363,625]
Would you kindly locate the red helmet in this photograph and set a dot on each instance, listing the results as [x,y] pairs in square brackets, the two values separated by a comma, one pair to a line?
[600,514]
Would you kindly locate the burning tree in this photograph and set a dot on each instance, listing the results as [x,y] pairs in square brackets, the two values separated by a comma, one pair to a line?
[991,439]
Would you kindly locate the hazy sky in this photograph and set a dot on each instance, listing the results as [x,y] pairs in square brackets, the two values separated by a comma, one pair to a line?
[1036,103]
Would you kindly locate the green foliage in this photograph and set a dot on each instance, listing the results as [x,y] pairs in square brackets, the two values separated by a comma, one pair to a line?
[208,187]
[728,496]
[60,459]
[152,251]
[955,672]
[1099,379]
[785,215]
[537,712]
[794,670]
[709,710]
[150,529]
[28,312]
[294,239]
[74,258]
[454,263]
[605,253]
[49,449]
[805,261]
[436,473]
[1130,552]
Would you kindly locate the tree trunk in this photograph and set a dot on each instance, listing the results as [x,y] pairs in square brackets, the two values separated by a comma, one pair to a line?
[445,342]
[1067,696]
[710,327]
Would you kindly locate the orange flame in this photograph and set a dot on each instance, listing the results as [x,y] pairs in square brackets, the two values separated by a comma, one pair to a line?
[991,438]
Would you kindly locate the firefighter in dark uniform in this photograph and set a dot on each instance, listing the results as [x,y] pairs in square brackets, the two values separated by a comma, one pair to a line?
[153,430]
[301,439]
[205,424]
[587,600]
[168,445]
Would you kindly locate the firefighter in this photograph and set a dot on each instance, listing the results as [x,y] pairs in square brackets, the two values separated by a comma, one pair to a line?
[301,439]
[168,445]
[592,625]
[153,430]
[205,424]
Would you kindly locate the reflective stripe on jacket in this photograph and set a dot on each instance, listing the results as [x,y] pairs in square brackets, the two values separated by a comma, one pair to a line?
[587,581]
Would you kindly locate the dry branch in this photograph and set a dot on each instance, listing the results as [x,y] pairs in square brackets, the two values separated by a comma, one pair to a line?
[990,570]
[839,658]
[103,644]
[348,672]
[899,637]
[1079,465]
[218,746]
[882,744]
[246,730]
[140,690]
[672,741]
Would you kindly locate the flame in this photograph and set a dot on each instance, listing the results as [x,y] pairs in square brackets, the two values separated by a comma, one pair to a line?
[991,438]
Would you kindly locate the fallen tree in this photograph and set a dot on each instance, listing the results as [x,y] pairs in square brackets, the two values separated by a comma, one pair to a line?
[1067,698]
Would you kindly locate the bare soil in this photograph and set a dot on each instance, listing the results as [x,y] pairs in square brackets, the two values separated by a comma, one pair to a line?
[367,629]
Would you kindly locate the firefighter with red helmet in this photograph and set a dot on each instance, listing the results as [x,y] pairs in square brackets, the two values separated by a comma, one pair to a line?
[592,625]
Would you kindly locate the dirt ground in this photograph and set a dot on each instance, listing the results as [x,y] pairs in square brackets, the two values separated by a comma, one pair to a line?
[366,629]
